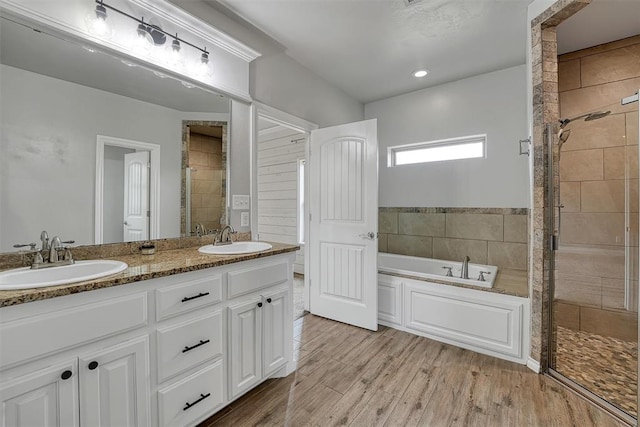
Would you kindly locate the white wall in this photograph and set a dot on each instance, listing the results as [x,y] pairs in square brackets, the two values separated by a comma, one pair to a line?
[47,154]
[113,196]
[282,83]
[493,103]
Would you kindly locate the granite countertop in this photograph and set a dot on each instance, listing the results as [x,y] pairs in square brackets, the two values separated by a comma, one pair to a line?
[508,282]
[141,267]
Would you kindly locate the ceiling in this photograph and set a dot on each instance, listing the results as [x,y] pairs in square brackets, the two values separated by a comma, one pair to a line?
[370,48]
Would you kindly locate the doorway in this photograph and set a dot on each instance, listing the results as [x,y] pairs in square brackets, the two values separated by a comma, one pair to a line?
[127,202]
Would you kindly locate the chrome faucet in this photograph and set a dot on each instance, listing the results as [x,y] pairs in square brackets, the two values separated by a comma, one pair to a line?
[47,255]
[200,230]
[53,249]
[464,273]
[222,238]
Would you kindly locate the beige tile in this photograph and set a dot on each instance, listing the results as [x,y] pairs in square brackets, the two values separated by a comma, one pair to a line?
[592,228]
[202,187]
[567,315]
[603,196]
[568,75]
[583,165]
[457,249]
[618,64]
[570,196]
[613,293]
[632,127]
[579,101]
[596,261]
[578,289]
[632,186]
[515,228]
[508,255]
[621,162]
[409,245]
[388,222]
[609,323]
[475,226]
[382,242]
[606,132]
[421,224]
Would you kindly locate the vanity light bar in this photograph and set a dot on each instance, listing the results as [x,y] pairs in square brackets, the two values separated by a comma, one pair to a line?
[101,13]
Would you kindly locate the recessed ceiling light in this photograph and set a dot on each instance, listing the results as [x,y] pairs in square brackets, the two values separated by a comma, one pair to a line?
[420,73]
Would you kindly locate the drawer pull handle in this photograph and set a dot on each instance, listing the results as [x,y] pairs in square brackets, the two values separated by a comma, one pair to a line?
[93,365]
[200,295]
[66,375]
[202,397]
[187,348]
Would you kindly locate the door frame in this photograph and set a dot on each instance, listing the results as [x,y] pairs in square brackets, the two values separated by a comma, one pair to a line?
[154,182]
[279,117]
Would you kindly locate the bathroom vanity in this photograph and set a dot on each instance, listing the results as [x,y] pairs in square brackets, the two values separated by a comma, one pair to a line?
[170,341]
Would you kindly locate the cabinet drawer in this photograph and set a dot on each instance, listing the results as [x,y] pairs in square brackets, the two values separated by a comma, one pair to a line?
[184,345]
[192,398]
[187,296]
[34,336]
[250,279]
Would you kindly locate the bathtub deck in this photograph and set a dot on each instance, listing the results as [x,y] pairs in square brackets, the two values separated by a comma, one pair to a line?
[351,376]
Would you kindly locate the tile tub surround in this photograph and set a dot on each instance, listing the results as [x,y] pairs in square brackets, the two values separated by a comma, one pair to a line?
[487,236]
[142,267]
[207,175]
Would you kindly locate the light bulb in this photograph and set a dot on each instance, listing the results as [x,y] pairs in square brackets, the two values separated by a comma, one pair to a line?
[96,22]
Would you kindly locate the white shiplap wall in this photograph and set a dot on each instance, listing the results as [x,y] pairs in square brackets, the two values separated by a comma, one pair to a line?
[278,187]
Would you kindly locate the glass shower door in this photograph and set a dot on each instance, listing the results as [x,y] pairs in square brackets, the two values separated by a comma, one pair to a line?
[594,322]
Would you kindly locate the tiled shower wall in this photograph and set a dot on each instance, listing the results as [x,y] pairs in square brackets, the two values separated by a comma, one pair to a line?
[487,236]
[598,184]
[207,175]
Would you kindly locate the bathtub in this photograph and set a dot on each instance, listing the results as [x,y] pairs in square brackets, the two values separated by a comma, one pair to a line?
[435,269]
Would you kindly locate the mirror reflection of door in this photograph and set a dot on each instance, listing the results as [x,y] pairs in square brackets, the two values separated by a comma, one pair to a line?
[136,197]
[126,195]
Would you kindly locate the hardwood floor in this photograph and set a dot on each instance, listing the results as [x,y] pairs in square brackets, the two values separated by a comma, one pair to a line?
[350,376]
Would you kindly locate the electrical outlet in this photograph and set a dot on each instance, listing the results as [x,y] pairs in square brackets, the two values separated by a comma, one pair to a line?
[244,219]
[240,203]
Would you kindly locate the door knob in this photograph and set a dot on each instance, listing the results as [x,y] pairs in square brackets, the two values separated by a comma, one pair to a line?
[125,223]
[370,235]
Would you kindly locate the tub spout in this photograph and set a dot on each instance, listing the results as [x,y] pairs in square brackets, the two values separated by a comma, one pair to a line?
[464,273]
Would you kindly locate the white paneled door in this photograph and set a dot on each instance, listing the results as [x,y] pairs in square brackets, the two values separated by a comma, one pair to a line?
[344,223]
[136,196]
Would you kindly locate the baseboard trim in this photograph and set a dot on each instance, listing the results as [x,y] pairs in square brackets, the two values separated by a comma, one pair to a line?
[534,365]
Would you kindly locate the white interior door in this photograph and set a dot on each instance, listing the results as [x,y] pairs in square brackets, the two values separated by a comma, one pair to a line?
[136,196]
[344,223]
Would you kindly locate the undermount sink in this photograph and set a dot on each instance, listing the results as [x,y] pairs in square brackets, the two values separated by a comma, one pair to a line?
[26,278]
[235,248]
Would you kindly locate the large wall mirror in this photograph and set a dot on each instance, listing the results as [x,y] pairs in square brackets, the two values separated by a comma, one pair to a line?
[98,150]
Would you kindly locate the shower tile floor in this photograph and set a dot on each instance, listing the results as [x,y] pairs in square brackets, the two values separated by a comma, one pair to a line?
[606,366]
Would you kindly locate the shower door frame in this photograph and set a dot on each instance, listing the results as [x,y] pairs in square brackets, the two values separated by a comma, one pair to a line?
[553,221]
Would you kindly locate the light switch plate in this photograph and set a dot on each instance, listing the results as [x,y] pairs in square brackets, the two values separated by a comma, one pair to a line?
[244,219]
[239,202]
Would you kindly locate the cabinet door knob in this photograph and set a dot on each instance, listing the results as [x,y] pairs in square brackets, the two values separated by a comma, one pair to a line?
[269,300]
[93,365]
[66,375]
[259,304]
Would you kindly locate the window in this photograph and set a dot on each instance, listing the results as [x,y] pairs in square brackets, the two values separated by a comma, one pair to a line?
[301,163]
[467,147]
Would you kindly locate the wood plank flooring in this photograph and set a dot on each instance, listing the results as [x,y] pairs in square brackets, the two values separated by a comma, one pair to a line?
[350,376]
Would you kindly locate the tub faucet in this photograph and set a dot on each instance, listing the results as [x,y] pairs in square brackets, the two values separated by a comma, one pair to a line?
[464,273]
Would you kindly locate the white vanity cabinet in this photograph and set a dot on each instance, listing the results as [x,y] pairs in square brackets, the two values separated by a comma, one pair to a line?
[260,325]
[47,397]
[169,351]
